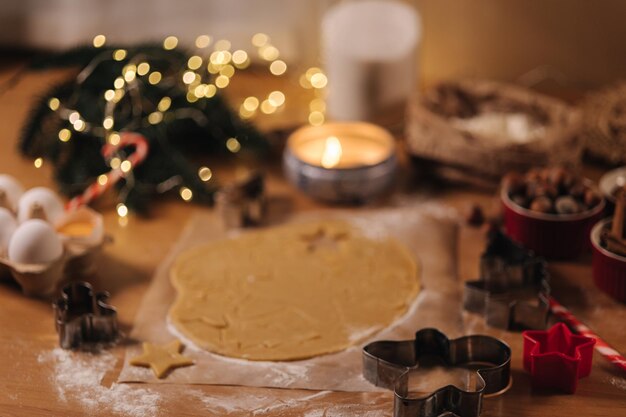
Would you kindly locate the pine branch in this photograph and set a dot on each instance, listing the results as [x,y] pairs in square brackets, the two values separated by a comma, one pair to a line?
[202,127]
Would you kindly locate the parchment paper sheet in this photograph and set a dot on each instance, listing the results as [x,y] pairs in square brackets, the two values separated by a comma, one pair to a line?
[428,231]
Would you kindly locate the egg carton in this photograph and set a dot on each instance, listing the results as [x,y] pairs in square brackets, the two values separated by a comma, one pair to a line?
[77,259]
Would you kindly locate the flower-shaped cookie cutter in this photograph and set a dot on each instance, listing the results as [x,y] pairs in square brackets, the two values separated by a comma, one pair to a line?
[557,358]
[84,317]
[513,289]
[388,364]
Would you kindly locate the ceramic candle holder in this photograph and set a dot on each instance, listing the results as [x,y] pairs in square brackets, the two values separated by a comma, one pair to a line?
[341,162]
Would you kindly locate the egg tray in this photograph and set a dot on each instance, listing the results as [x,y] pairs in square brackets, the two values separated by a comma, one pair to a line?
[77,260]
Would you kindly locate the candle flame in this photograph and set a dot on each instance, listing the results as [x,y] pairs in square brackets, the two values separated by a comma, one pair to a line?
[332,152]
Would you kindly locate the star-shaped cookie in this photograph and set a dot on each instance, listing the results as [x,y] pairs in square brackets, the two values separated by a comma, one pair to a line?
[162,358]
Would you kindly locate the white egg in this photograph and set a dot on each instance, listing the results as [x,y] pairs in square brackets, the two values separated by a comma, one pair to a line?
[35,242]
[8,224]
[40,198]
[10,192]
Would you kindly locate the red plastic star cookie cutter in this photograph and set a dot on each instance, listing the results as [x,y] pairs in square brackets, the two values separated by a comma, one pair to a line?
[557,358]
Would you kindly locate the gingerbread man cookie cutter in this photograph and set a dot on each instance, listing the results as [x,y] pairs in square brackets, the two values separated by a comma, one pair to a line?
[83,316]
[513,290]
[388,364]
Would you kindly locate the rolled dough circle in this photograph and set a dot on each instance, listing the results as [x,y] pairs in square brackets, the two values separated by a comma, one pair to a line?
[291,292]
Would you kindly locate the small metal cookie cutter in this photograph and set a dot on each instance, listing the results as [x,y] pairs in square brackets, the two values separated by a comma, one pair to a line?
[388,364]
[83,317]
[242,203]
[513,289]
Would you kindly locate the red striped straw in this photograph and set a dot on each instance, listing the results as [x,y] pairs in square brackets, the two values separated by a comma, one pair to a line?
[601,346]
[96,189]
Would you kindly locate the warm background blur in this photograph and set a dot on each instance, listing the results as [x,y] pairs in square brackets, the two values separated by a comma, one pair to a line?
[577,43]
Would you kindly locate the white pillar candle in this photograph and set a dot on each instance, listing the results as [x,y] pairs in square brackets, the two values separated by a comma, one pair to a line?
[370,56]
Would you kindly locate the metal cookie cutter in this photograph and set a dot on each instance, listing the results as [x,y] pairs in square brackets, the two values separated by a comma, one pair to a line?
[513,289]
[242,203]
[83,316]
[389,364]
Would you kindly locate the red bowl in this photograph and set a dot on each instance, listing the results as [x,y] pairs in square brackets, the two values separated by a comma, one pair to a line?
[554,236]
[608,268]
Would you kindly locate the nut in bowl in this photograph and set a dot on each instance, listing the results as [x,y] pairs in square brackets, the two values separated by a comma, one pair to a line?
[551,211]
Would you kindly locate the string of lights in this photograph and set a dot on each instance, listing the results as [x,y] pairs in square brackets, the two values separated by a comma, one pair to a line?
[145,94]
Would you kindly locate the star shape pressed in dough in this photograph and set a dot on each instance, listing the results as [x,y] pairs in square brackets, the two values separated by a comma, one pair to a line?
[322,239]
[162,358]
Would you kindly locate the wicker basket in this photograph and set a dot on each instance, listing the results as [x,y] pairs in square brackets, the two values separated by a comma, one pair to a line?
[604,124]
[434,130]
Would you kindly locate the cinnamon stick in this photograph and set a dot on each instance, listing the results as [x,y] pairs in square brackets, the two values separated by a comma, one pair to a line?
[617,225]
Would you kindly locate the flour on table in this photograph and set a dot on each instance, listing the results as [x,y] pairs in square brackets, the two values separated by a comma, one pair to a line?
[618,382]
[77,377]
[256,405]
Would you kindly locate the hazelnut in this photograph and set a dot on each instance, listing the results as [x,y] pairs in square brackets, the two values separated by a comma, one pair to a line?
[551,190]
[520,200]
[557,176]
[535,190]
[592,198]
[577,190]
[566,205]
[569,179]
[534,175]
[541,205]
[531,188]
[538,190]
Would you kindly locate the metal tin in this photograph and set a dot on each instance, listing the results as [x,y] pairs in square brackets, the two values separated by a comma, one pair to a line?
[352,185]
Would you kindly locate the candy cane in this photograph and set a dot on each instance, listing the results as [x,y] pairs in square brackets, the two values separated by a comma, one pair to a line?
[96,189]
[605,350]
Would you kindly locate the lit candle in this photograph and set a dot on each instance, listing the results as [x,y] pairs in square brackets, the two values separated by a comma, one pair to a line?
[341,162]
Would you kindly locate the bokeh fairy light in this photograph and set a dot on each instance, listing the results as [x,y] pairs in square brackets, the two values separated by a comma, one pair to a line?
[210,68]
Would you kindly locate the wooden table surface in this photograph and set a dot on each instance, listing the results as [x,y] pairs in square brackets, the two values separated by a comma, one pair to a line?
[28,384]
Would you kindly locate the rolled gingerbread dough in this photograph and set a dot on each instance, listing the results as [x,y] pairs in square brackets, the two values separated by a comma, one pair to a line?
[291,292]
